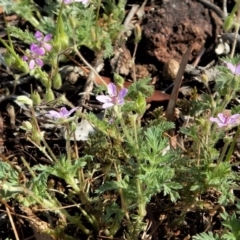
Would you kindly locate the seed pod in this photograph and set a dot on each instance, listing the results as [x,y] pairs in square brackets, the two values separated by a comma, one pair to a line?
[57,81]
[228,23]
[36,98]
[49,96]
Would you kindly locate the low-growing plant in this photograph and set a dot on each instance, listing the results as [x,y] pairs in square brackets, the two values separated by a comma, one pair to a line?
[126,162]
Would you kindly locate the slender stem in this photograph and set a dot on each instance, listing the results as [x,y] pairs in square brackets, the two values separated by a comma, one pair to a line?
[126,131]
[84,60]
[230,151]
[133,62]
[42,139]
[50,150]
[119,178]
[41,149]
[26,164]
[237,27]
[223,153]
[68,147]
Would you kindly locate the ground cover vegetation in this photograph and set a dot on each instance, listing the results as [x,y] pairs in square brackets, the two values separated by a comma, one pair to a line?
[112,158]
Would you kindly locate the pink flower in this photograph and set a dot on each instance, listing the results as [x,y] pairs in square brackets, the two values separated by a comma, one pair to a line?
[63,113]
[114,98]
[224,120]
[71,1]
[42,41]
[234,69]
[33,59]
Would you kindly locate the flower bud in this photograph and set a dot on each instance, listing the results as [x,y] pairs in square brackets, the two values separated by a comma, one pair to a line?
[9,59]
[41,75]
[140,104]
[118,80]
[57,81]
[73,22]
[27,126]
[138,33]
[93,35]
[36,98]
[49,95]
[24,100]
[73,126]
[37,136]
[228,23]
[227,139]
[133,118]
[61,40]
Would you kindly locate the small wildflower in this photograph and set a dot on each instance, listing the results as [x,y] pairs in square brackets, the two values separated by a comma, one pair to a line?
[235,69]
[114,98]
[71,1]
[42,41]
[224,120]
[33,59]
[63,113]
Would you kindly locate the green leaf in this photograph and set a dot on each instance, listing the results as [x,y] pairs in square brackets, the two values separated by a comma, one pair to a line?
[205,236]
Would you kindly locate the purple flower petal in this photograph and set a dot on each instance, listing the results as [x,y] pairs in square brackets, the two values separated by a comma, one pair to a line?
[31,64]
[25,58]
[63,112]
[35,49]
[114,98]
[218,121]
[222,117]
[104,99]
[40,51]
[72,110]
[231,67]
[222,124]
[233,119]
[47,38]
[123,92]
[212,119]
[237,71]
[112,90]
[107,105]
[39,62]
[120,101]
[224,120]
[38,35]
[47,46]
[53,114]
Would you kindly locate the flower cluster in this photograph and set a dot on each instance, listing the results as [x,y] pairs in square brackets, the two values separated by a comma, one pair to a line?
[38,49]
[224,120]
[114,97]
[62,114]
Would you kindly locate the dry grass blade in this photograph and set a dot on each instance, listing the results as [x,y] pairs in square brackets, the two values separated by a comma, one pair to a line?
[170,112]
[12,223]
[1,135]
[11,111]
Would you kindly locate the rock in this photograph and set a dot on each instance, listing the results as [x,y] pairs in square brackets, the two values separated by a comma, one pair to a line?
[169,30]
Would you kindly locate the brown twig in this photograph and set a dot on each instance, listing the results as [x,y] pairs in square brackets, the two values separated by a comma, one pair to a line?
[212,7]
[12,223]
[170,112]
